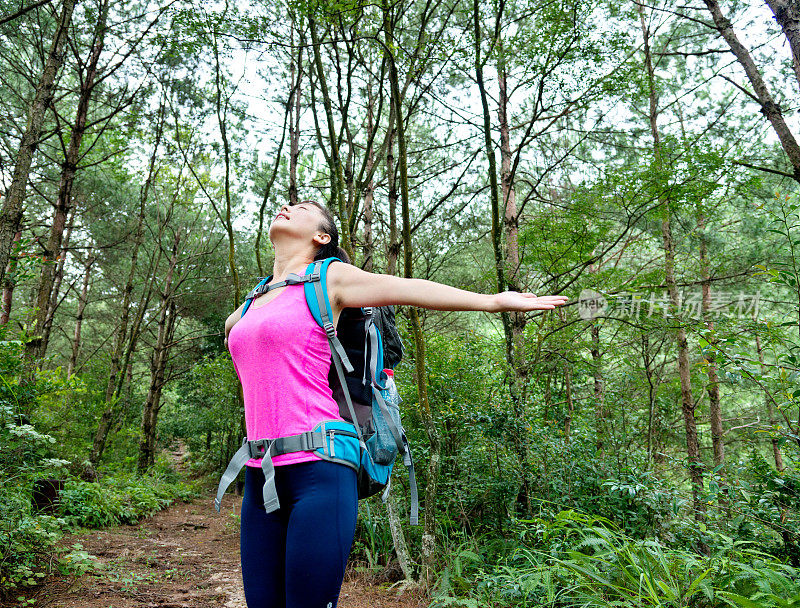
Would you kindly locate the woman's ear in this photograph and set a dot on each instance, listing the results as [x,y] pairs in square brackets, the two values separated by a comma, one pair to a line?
[322,238]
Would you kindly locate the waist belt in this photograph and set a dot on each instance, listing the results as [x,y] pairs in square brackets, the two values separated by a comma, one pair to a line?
[266,449]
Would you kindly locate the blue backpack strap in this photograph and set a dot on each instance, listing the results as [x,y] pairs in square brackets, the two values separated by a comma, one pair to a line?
[316,292]
[264,287]
[254,292]
[319,274]
[374,346]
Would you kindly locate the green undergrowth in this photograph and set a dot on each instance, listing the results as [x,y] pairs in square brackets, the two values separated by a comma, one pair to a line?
[29,541]
[119,500]
[580,561]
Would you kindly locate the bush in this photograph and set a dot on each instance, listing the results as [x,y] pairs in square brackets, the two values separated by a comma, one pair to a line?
[119,500]
[581,561]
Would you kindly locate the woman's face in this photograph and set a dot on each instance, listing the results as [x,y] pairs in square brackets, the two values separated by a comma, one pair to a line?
[302,221]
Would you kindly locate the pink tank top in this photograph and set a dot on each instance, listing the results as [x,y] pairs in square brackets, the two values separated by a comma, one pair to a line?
[282,358]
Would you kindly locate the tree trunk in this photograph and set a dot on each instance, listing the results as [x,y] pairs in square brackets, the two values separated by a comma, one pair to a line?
[511,225]
[687,402]
[651,395]
[82,299]
[334,158]
[548,395]
[569,402]
[776,448]
[787,14]
[221,107]
[434,438]
[715,409]
[294,121]
[38,348]
[599,386]
[400,545]
[9,282]
[369,242]
[494,192]
[393,251]
[11,214]
[158,365]
[57,280]
[268,188]
[770,109]
[115,378]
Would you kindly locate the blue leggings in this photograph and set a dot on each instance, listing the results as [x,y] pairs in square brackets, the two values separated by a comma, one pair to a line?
[295,557]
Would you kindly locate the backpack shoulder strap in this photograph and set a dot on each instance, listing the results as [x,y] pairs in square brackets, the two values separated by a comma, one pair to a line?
[316,292]
[254,292]
[373,347]
[264,287]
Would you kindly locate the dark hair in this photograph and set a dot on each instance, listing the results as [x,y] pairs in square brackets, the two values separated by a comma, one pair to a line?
[328,225]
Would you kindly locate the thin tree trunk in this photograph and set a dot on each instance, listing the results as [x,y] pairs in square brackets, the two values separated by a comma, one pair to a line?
[651,394]
[393,251]
[399,538]
[511,225]
[158,364]
[714,407]
[82,300]
[270,182]
[57,280]
[115,378]
[38,348]
[11,214]
[687,402]
[548,395]
[787,14]
[294,120]
[369,243]
[494,190]
[432,431]
[222,121]
[569,402]
[513,323]
[599,386]
[9,282]
[334,159]
[776,448]
[769,108]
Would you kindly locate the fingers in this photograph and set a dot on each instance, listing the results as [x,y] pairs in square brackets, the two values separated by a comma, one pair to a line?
[528,294]
[546,302]
[527,301]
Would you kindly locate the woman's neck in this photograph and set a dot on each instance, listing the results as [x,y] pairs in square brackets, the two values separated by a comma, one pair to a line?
[287,262]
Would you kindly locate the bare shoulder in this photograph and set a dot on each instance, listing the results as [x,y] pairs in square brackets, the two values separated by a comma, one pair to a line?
[340,278]
[349,286]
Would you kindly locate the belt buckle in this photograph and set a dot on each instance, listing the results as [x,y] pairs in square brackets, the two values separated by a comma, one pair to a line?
[261,447]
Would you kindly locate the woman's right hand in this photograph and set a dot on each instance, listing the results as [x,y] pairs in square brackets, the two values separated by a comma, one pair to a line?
[525,302]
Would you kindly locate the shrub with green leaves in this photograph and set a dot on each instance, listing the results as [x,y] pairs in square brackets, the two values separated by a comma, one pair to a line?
[27,540]
[118,500]
[579,561]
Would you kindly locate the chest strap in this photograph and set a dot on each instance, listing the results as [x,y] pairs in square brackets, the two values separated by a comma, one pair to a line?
[264,287]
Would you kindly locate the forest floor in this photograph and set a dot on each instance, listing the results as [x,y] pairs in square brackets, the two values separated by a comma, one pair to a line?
[186,556]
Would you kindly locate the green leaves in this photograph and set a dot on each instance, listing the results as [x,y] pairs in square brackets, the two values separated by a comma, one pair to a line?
[601,567]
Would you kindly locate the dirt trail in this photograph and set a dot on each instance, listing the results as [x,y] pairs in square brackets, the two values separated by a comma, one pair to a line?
[186,556]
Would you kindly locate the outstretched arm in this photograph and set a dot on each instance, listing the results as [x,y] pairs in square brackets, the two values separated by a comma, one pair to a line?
[350,287]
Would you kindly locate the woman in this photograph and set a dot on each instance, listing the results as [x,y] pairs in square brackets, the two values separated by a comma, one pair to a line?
[295,557]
